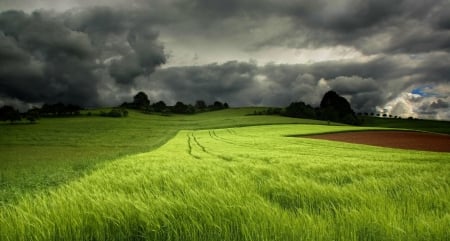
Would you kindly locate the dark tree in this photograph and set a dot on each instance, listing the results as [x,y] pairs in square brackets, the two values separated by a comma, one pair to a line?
[159,106]
[331,100]
[334,107]
[190,109]
[200,105]
[300,110]
[73,109]
[217,105]
[141,101]
[48,109]
[59,109]
[8,113]
[33,114]
[180,108]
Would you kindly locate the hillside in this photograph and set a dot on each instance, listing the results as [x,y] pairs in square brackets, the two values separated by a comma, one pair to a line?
[58,150]
[250,183]
[415,124]
[222,175]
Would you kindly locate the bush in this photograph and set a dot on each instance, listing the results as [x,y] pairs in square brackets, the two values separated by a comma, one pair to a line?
[116,112]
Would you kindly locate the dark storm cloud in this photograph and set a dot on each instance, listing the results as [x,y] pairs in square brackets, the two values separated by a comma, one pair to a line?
[366,85]
[146,54]
[48,57]
[210,82]
[405,26]
[242,83]
[127,33]
[434,68]
[351,85]
[360,83]
[371,26]
[439,104]
[433,108]
[90,53]
[344,16]
[42,60]
[441,17]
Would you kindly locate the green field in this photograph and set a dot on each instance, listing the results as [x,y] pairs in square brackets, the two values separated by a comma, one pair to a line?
[58,150]
[415,124]
[214,176]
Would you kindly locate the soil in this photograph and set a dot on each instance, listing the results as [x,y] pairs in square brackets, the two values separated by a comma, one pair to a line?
[394,139]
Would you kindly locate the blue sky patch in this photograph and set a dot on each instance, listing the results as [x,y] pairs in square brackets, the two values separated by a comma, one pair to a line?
[422,91]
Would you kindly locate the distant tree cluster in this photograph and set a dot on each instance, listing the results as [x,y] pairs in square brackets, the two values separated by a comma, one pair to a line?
[141,102]
[269,111]
[115,112]
[363,114]
[333,107]
[59,110]
[9,113]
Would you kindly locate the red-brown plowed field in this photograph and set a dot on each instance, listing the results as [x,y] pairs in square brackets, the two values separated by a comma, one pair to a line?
[394,139]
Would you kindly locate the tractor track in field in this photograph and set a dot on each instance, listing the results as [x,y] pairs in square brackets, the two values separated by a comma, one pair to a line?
[192,140]
[189,142]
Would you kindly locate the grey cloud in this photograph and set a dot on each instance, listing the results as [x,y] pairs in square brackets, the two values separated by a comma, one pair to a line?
[125,70]
[49,57]
[126,34]
[405,26]
[367,85]
[365,94]
[361,82]
[144,56]
[99,20]
[210,82]
[242,83]
[317,23]
[434,68]
[353,84]
[111,50]
[419,39]
[439,104]
[344,16]
[51,61]
[441,16]
[10,53]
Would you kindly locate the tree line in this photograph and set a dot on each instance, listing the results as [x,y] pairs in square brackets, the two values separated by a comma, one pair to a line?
[11,114]
[333,107]
[141,102]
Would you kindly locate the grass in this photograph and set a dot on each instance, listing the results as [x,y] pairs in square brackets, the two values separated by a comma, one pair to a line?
[250,183]
[56,151]
[416,124]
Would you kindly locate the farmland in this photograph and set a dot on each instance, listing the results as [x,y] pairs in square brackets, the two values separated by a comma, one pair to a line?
[58,150]
[214,176]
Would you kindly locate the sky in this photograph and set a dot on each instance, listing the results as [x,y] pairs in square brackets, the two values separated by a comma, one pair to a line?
[384,56]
